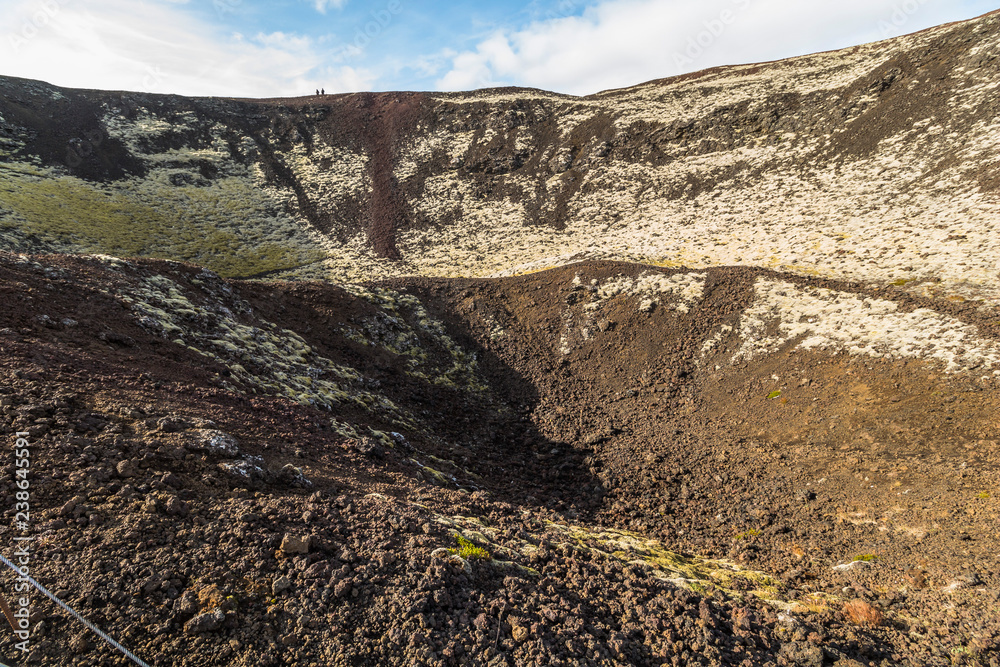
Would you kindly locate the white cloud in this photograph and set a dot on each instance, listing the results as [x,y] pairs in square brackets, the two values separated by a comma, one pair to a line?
[623,42]
[322,5]
[159,45]
[150,46]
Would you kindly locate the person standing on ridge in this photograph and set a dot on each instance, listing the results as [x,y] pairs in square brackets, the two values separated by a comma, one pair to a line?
[323,92]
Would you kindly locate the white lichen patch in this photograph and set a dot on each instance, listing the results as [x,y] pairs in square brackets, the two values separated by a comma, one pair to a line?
[138,132]
[649,290]
[820,318]
[570,120]
[680,290]
[422,149]
[716,338]
[213,442]
[329,176]
[576,327]
[250,469]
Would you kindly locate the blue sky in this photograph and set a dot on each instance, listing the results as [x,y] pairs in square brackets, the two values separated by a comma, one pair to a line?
[290,47]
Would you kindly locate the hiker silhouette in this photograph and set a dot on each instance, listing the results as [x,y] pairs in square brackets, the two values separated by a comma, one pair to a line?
[323,92]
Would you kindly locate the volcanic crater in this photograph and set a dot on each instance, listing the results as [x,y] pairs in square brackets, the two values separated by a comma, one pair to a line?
[703,371]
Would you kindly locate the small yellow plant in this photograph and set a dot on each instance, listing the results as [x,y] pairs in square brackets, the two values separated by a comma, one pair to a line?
[470,551]
[748,534]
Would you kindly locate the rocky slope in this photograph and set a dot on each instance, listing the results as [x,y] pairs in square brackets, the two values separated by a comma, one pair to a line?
[601,464]
[873,164]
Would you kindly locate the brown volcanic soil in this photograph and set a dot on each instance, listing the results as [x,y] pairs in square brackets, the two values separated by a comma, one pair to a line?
[141,530]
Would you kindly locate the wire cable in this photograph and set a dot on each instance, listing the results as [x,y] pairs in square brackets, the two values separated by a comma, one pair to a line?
[90,626]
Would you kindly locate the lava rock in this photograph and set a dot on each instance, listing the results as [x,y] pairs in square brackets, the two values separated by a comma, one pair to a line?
[126,468]
[207,622]
[291,544]
[280,585]
[802,654]
[212,441]
[369,447]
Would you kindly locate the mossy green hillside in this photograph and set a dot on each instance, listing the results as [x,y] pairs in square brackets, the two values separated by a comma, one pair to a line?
[260,356]
[225,225]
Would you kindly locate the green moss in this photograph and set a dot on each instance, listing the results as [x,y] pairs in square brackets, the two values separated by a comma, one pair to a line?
[984,495]
[747,534]
[408,330]
[687,571]
[470,551]
[262,358]
[866,558]
[224,226]
[436,475]
[698,587]
[774,394]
